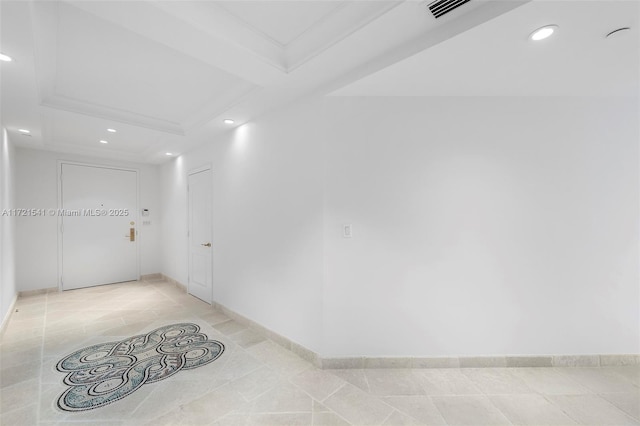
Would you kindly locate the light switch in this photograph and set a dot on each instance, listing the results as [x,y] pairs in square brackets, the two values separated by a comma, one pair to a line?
[346,231]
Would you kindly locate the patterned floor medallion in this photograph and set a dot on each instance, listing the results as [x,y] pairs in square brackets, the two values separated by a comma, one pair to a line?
[101,374]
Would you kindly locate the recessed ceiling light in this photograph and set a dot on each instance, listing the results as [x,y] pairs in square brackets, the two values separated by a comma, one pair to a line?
[5,58]
[111,130]
[168,153]
[228,121]
[103,141]
[542,33]
[24,131]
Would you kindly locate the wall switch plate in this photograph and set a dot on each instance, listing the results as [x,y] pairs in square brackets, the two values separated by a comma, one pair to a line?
[347,231]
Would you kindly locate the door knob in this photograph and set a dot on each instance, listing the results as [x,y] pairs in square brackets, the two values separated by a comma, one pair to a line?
[206,245]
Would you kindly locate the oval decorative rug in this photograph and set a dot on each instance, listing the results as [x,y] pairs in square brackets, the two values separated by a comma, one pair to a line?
[101,374]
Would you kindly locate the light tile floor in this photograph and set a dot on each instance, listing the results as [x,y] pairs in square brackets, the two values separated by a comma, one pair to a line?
[257,382]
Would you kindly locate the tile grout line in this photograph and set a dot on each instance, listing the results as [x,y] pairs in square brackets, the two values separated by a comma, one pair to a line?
[427,395]
[312,413]
[388,416]
[615,407]
[366,380]
[546,398]
[321,401]
[437,409]
[44,331]
[333,393]
[377,397]
[493,404]
[574,381]
[381,398]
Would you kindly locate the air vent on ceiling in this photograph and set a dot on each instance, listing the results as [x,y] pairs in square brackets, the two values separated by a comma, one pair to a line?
[442,7]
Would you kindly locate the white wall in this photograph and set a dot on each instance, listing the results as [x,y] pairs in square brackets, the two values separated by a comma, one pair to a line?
[267,223]
[37,187]
[8,291]
[480,225]
[174,214]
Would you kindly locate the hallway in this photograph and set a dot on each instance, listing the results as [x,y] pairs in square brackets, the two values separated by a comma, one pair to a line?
[256,382]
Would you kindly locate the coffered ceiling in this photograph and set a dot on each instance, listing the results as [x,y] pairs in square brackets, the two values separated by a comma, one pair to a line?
[165,74]
[115,73]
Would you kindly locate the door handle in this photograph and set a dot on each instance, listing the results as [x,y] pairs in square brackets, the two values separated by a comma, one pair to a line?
[132,234]
[206,245]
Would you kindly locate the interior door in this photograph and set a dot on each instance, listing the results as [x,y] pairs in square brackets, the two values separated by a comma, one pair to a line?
[98,225]
[200,245]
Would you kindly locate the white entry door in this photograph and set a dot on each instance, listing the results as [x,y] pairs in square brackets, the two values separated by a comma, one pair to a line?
[200,244]
[98,218]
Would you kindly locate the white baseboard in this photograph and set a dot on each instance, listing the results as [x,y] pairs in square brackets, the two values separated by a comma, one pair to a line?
[7,316]
[174,282]
[506,361]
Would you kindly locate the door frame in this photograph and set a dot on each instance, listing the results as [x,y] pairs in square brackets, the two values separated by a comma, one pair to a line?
[204,168]
[134,216]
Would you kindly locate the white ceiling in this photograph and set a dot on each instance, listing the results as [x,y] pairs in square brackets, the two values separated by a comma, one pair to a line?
[126,74]
[267,17]
[166,73]
[498,59]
